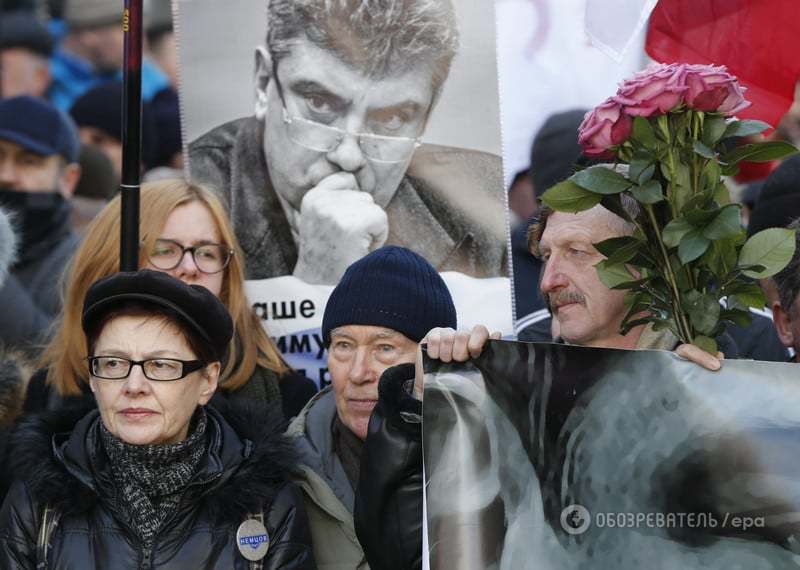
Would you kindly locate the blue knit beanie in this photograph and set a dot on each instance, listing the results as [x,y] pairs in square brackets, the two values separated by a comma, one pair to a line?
[392,287]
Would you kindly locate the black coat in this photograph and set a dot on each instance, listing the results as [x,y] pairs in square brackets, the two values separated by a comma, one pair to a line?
[237,477]
[388,508]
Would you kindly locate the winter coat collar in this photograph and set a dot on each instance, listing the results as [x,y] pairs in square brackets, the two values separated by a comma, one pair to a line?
[52,453]
[321,471]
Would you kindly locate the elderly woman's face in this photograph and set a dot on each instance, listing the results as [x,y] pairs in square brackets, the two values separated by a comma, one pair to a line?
[141,411]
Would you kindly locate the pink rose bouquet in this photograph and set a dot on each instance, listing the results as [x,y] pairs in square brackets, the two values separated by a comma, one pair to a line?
[670,124]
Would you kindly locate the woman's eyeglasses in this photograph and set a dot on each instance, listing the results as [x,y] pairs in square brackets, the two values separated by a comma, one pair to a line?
[159,369]
[208,257]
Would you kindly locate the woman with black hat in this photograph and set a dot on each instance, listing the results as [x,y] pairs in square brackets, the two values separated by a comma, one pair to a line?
[152,478]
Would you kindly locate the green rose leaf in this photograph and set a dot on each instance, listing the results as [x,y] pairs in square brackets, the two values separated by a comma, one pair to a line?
[613,275]
[705,343]
[750,295]
[648,193]
[703,150]
[674,231]
[601,180]
[713,129]
[726,224]
[703,311]
[744,128]
[721,257]
[736,316]
[643,132]
[721,194]
[609,247]
[772,248]
[567,196]
[641,170]
[760,152]
[693,245]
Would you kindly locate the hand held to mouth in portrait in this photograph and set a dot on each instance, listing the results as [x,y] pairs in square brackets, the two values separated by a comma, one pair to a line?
[339,224]
[450,345]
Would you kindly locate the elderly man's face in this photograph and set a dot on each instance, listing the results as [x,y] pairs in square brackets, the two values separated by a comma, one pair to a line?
[588,312]
[317,86]
[357,357]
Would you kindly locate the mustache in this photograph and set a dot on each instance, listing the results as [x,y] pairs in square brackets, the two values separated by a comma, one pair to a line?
[565,297]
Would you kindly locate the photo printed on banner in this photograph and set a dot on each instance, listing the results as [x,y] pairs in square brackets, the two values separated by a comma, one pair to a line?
[332,128]
[587,458]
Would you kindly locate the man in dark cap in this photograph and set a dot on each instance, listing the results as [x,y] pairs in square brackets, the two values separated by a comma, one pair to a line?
[38,174]
[377,314]
[25,46]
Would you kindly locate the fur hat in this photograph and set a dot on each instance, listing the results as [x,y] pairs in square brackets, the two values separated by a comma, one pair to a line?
[92,13]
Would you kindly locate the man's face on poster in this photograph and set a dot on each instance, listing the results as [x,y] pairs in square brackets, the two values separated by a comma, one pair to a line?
[316,110]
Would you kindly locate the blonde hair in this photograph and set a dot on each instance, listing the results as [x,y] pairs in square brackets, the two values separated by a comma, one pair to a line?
[98,257]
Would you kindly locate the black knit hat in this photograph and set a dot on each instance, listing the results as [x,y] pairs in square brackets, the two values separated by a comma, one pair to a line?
[198,308]
[779,201]
[392,287]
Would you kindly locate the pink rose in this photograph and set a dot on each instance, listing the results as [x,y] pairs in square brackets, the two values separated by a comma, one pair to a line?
[653,91]
[714,89]
[603,127]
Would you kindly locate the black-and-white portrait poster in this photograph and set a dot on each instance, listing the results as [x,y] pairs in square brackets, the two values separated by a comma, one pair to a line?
[332,127]
[551,456]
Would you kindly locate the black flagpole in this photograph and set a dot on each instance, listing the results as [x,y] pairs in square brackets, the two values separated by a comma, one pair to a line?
[131,135]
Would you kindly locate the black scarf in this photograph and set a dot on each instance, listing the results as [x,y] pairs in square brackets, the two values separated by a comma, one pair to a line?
[40,219]
[150,479]
[348,447]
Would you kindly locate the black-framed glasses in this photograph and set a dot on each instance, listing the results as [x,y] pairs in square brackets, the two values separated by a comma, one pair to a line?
[208,257]
[159,369]
[324,138]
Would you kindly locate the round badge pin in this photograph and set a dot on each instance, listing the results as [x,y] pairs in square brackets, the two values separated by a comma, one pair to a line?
[252,540]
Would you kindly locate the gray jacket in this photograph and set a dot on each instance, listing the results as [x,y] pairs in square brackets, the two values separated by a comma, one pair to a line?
[329,497]
[449,208]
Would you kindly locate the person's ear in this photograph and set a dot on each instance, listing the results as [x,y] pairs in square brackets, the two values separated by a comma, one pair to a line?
[263,74]
[70,175]
[783,325]
[210,379]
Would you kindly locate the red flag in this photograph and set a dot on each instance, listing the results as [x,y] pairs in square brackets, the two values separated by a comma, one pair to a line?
[758,40]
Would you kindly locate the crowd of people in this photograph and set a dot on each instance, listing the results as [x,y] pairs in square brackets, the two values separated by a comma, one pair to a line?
[148,419]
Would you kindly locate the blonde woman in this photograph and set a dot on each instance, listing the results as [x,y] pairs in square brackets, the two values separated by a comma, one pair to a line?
[185,232]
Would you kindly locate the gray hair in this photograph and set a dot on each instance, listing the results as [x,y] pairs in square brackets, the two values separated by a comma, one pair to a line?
[378,37]
[788,279]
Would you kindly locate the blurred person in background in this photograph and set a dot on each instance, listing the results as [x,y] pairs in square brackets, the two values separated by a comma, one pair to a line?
[25,47]
[98,114]
[97,186]
[92,52]
[161,44]
[185,232]
[38,174]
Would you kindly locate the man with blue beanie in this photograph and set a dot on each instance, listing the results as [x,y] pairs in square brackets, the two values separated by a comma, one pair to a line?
[384,305]
[38,174]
